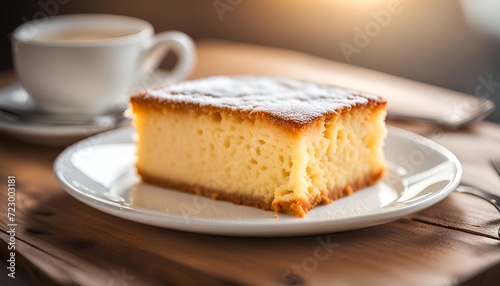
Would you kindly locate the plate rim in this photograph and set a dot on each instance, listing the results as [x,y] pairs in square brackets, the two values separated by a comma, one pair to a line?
[242,229]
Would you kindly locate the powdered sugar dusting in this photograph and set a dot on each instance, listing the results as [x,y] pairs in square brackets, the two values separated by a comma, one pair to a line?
[286,99]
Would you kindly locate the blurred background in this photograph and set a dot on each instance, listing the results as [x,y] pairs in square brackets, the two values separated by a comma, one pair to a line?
[448,43]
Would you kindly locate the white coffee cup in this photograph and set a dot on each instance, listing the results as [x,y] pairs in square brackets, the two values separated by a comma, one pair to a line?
[89,63]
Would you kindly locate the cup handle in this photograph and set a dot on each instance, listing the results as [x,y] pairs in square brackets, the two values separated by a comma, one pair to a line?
[181,44]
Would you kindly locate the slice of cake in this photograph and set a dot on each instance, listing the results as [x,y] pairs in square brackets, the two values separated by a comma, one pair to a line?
[273,143]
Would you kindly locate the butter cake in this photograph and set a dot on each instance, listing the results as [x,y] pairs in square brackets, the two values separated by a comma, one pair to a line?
[273,143]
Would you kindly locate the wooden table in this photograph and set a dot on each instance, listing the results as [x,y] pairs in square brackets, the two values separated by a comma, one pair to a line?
[62,241]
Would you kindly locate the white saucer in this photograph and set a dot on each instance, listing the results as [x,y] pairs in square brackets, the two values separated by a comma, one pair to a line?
[15,96]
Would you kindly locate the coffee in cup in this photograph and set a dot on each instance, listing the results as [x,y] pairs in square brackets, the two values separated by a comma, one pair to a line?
[89,63]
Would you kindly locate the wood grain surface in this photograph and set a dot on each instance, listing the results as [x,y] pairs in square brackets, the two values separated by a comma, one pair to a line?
[62,241]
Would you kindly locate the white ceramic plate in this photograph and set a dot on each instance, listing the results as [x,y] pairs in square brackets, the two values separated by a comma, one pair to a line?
[99,171]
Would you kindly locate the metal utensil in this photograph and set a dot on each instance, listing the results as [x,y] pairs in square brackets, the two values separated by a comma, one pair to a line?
[496,165]
[492,199]
[32,116]
[489,197]
[468,113]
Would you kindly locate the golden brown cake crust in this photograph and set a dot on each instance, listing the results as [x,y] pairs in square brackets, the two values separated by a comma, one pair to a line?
[302,207]
[295,207]
[259,202]
[280,104]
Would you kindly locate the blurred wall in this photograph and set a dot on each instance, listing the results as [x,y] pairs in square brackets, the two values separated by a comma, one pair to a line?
[425,40]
